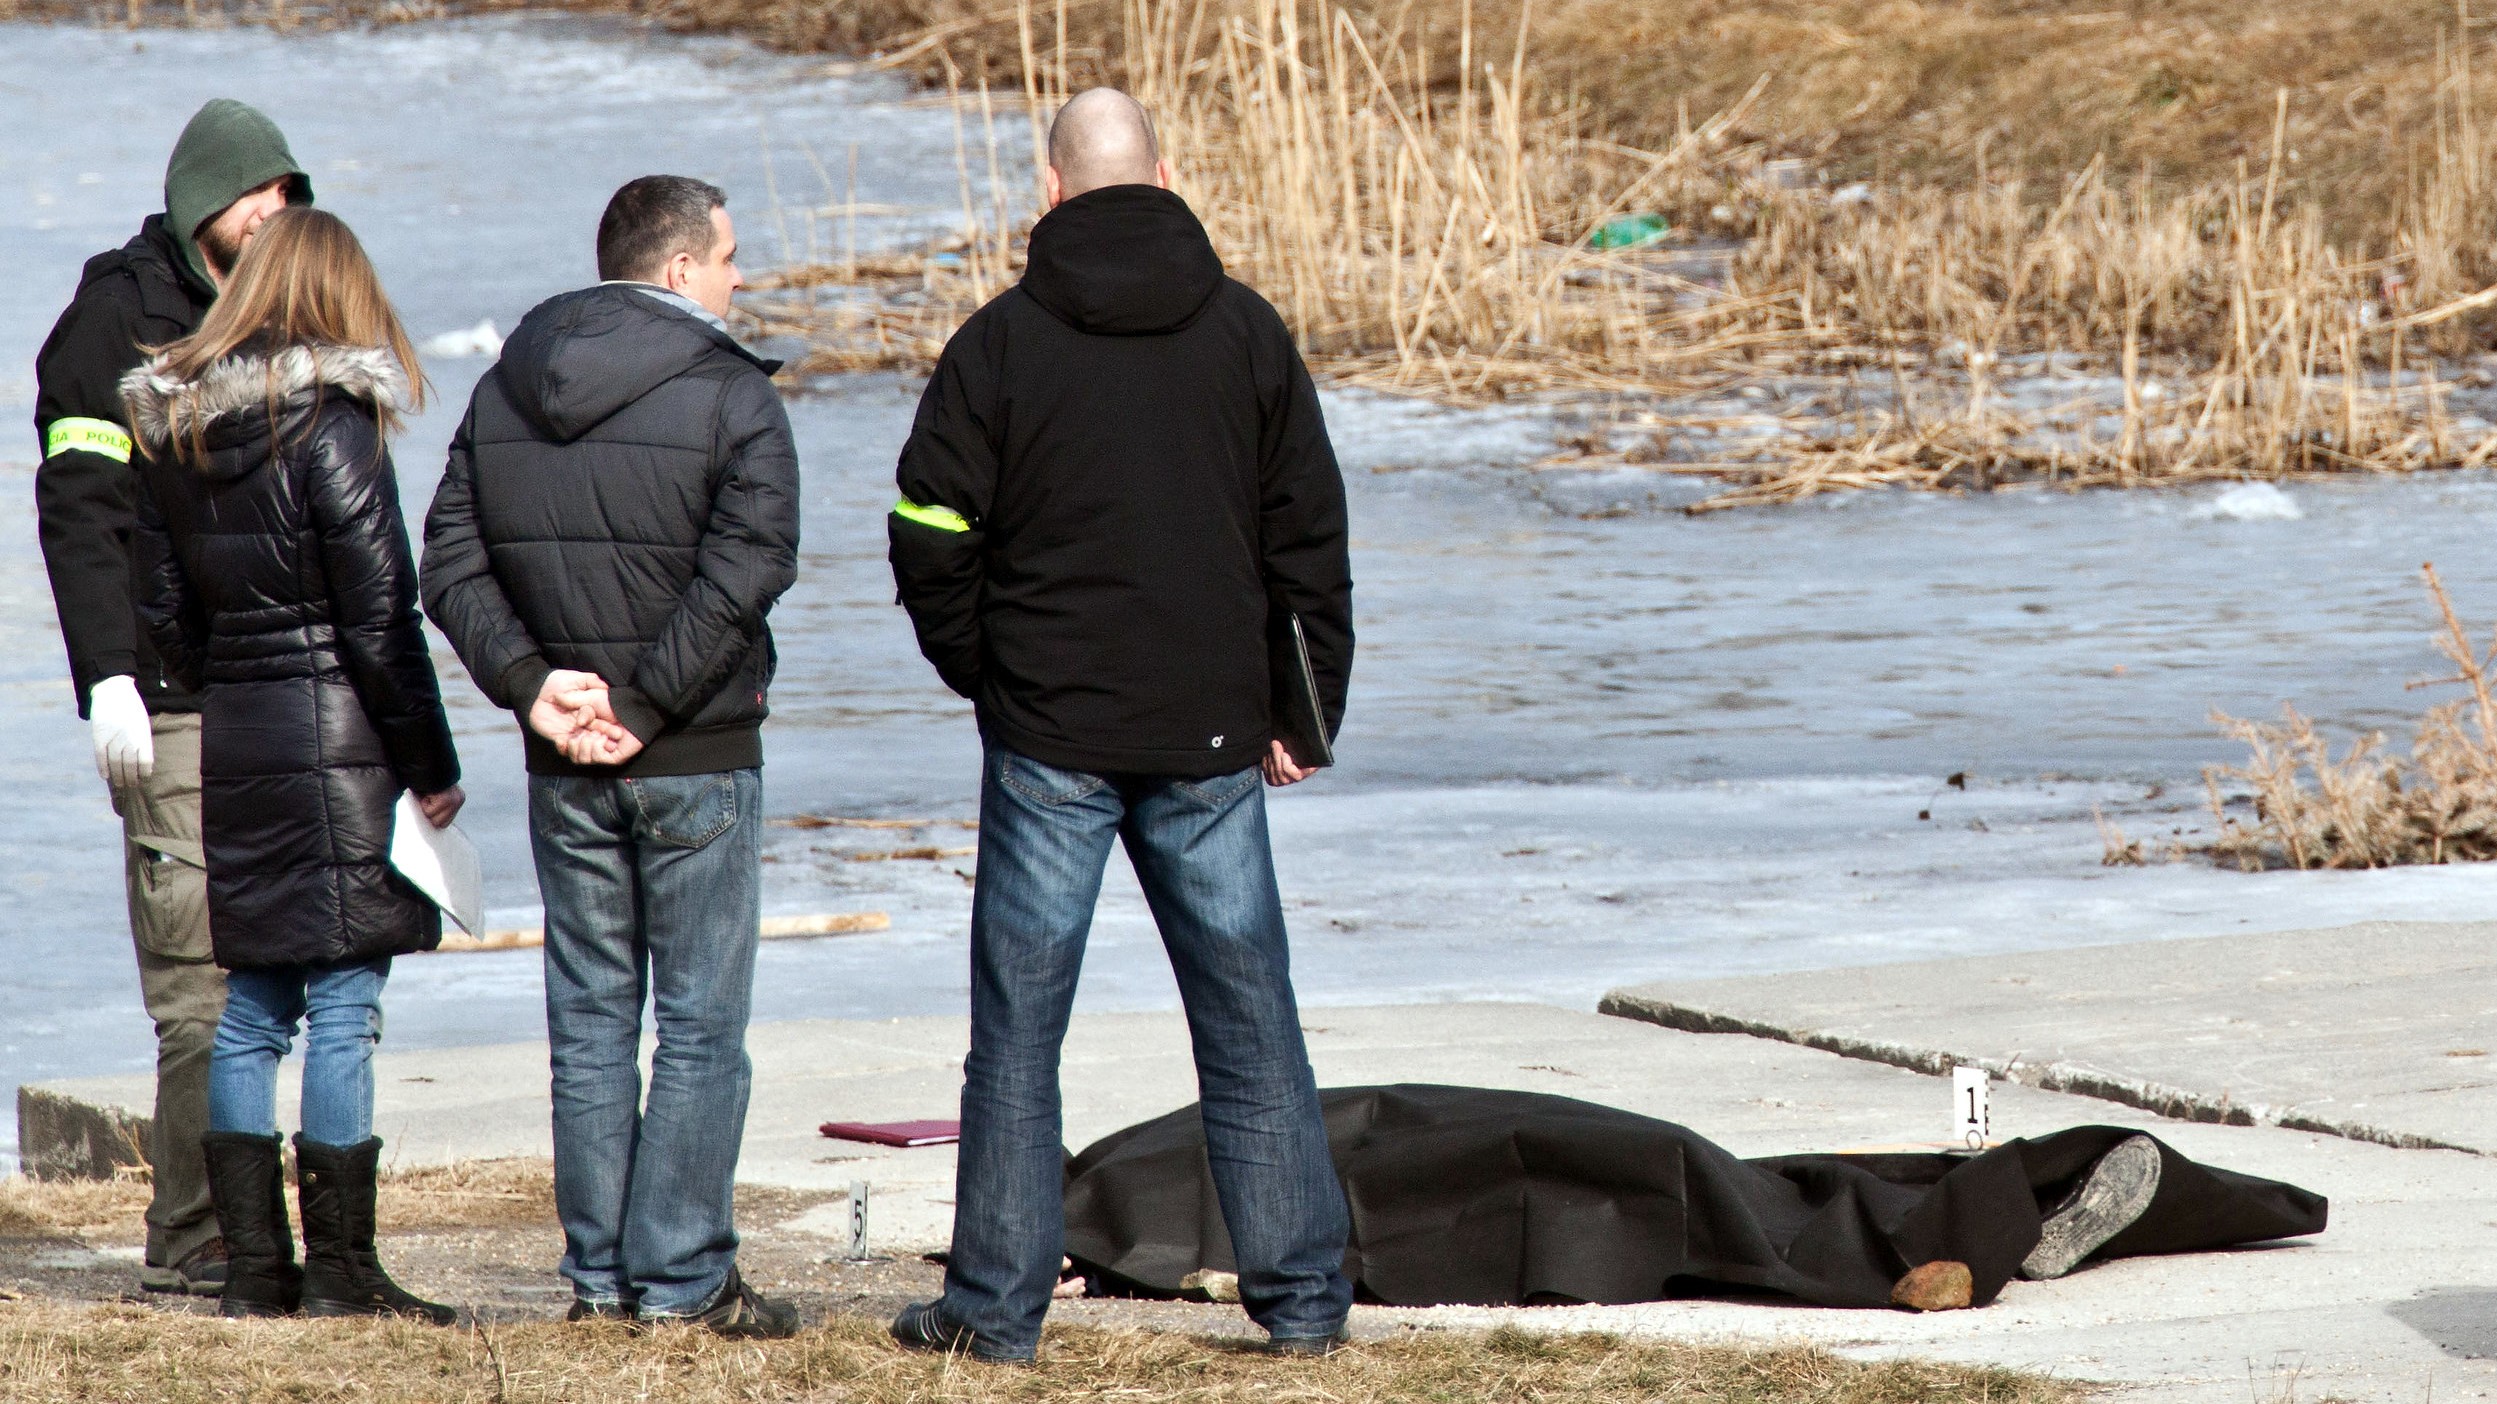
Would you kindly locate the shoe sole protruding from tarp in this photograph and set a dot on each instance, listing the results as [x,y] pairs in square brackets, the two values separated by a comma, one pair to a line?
[2110,1197]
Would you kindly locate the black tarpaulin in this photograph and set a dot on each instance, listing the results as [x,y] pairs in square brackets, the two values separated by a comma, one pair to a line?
[1468,1195]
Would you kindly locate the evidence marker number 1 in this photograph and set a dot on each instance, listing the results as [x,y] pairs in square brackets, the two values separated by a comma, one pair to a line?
[1972,1110]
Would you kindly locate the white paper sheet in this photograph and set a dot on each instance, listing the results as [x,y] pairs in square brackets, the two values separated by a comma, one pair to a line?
[441,863]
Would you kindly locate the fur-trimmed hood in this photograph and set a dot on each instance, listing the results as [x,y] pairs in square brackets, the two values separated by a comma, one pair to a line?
[249,380]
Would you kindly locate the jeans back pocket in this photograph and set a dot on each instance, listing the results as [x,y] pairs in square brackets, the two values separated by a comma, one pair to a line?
[1045,784]
[1220,791]
[686,811]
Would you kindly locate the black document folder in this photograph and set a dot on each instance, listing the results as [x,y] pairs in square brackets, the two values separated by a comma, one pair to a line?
[1300,718]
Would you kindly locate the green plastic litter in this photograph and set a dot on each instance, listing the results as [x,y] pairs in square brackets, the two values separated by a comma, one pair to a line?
[1635,231]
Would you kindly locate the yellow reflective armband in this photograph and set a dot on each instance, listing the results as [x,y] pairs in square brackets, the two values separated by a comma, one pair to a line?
[100,436]
[941,518]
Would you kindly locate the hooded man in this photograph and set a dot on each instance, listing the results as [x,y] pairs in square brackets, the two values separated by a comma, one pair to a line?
[230,171]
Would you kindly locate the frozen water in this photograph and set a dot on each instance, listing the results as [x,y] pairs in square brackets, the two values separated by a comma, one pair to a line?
[480,340]
[2252,502]
[1591,740]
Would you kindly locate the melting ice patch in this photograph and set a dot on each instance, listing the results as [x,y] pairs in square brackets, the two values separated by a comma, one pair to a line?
[480,340]
[2252,502]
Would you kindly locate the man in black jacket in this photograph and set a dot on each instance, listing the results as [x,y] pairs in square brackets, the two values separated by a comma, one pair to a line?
[618,515]
[1118,475]
[230,170]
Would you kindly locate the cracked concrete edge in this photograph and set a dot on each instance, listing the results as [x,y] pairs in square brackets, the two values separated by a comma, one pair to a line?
[67,1138]
[2176,1103]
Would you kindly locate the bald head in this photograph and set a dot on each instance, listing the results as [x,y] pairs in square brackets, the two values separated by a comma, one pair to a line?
[1102,137]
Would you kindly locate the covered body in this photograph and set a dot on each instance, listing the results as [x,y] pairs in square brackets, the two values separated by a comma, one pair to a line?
[1476,1196]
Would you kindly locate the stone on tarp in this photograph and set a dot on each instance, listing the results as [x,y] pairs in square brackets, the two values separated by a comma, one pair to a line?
[1941,1285]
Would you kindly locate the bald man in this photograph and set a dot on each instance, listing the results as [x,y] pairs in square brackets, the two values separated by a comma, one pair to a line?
[1118,481]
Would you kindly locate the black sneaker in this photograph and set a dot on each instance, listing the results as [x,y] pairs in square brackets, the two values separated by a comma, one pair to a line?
[927,1327]
[740,1313]
[2106,1202]
[583,1309]
[1309,1347]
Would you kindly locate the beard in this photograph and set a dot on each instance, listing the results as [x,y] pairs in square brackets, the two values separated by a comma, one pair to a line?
[220,249]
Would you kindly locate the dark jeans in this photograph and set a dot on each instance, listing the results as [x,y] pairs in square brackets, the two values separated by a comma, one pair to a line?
[653,890]
[1201,853]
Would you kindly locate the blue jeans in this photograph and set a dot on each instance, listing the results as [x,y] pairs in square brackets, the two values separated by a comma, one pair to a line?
[340,1009]
[653,890]
[1201,853]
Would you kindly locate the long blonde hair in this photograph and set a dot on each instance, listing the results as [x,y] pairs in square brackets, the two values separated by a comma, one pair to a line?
[303,280]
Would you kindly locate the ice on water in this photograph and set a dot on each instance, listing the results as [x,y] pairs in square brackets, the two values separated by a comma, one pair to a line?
[2252,502]
[480,340]
[1591,740]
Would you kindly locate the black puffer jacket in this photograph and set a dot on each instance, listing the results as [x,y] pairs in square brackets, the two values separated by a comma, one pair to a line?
[622,499]
[277,577]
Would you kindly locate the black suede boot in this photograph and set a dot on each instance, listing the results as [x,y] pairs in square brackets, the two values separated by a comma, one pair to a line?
[342,1276]
[247,1183]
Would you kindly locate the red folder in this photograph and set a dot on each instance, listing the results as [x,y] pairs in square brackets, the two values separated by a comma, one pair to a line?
[895,1133]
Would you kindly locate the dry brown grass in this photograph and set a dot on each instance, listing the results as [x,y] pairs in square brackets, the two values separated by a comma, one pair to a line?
[2280,213]
[55,1354]
[1431,241]
[1410,242]
[31,1208]
[1880,90]
[2367,808]
[471,1194]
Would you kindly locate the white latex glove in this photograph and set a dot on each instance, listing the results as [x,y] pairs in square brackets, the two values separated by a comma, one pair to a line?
[125,746]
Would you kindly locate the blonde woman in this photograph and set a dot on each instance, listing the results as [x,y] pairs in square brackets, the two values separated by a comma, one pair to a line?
[275,575]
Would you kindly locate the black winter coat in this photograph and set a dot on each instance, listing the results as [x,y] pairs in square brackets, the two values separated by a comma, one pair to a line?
[621,499]
[278,578]
[1118,468]
[141,294]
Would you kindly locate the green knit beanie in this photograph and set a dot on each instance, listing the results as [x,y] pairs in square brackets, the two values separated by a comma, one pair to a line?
[229,149]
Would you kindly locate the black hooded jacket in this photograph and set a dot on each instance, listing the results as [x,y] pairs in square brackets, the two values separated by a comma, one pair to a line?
[149,292]
[275,575]
[621,499]
[141,294]
[1117,470]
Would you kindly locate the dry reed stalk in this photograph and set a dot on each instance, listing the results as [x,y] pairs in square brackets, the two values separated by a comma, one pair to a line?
[2366,809]
[1440,247]
[1443,252]
[2291,372]
[2115,850]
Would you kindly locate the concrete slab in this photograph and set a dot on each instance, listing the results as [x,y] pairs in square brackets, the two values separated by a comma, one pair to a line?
[2387,1305]
[1759,1098]
[2384,1031]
